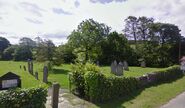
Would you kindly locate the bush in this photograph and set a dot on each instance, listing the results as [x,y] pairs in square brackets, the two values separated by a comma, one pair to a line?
[100,88]
[23,98]
[78,71]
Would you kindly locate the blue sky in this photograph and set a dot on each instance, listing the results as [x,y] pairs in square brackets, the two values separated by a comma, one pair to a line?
[55,19]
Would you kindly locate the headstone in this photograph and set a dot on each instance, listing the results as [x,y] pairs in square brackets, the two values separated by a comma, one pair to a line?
[143,64]
[31,67]
[114,67]
[97,63]
[125,64]
[36,75]
[55,95]
[119,69]
[24,68]
[9,80]
[45,74]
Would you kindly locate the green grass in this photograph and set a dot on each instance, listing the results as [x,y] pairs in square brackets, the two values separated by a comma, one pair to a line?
[59,74]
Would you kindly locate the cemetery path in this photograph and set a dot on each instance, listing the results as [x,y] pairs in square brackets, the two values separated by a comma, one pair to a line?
[177,102]
[68,100]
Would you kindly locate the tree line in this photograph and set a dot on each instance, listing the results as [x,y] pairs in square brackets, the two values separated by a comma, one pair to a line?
[158,44]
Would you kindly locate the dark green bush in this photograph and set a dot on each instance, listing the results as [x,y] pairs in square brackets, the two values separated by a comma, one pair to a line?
[78,81]
[23,98]
[100,88]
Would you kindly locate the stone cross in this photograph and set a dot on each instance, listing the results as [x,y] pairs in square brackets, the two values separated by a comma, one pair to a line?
[36,75]
[125,64]
[45,74]
[119,69]
[114,67]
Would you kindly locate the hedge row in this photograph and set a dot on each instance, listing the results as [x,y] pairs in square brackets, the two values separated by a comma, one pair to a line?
[23,98]
[96,87]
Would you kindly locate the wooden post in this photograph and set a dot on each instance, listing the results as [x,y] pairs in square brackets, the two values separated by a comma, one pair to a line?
[55,95]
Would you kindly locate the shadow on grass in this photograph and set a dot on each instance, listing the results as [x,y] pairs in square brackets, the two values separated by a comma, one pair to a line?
[60,71]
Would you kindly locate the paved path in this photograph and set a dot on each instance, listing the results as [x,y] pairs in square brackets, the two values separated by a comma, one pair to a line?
[178,102]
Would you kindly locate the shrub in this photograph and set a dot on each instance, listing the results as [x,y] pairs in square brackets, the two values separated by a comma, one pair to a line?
[100,88]
[78,71]
[23,98]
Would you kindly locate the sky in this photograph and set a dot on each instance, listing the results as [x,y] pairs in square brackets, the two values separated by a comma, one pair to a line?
[56,19]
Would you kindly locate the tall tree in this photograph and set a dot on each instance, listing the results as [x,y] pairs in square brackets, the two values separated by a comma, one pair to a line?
[45,51]
[87,37]
[4,43]
[28,42]
[144,27]
[130,29]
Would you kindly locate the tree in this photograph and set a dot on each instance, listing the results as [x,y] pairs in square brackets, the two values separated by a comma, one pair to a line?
[22,53]
[143,27]
[115,47]
[8,53]
[130,29]
[28,42]
[88,37]
[4,43]
[45,51]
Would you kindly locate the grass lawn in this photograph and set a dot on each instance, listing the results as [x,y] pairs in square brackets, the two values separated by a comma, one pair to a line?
[59,74]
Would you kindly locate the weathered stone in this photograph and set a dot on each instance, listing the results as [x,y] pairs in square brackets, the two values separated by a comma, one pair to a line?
[55,95]
[97,63]
[125,64]
[114,67]
[119,69]
[45,74]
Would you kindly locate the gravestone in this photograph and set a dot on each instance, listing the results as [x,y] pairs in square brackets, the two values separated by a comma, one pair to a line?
[114,67]
[36,75]
[182,67]
[24,68]
[9,80]
[125,64]
[30,66]
[119,69]
[45,74]
[55,95]
[97,63]
[143,64]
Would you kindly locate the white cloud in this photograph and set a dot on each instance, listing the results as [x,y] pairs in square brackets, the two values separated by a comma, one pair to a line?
[55,19]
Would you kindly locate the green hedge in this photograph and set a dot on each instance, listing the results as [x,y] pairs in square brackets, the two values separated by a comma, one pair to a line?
[100,88]
[23,98]
[96,87]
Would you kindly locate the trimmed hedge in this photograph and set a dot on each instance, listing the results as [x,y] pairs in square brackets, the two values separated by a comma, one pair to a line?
[100,88]
[96,87]
[23,98]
